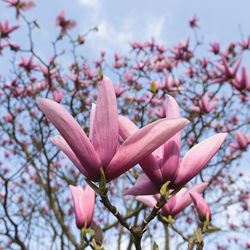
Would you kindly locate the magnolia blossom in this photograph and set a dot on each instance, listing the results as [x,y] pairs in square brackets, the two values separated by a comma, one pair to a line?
[242,83]
[28,65]
[201,205]
[102,148]
[64,23]
[164,163]
[5,30]
[204,105]
[175,204]
[84,204]
[227,73]
[241,142]
[57,95]
[20,5]
[193,21]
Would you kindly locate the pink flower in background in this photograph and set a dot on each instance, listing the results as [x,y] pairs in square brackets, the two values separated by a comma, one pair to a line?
[28,65]
[204,105]
[227,73]
[63,23]
[8,118]
[193,22]
[201,205]
[175,204]
[119,91]
[102,147]
[170,84]
[215,48]
[242,83]
[57,96]
[20,5]
[164,163]
[5,30]
[84,204]
[245,44]
[241,142]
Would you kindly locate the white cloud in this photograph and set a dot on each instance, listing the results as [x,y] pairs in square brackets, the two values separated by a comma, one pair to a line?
[116,31]
[155,27]
[90,3]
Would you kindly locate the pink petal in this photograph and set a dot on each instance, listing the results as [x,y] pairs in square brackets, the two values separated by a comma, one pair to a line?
[171,158]
[201,205]
[241,139]
[62,144]
[170,207]
[143,186]
[204,103]
[182,199]
[149,163]
[142,143]
[126,127]
[73,134]
[84,204]
[87,203]
[105,127]
[91,122]
[149,200]
[197,158]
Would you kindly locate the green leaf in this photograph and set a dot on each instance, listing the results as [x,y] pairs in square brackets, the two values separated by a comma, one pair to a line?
[153,87]
[212,230]
[79,39]
[164,189]
[198,235]
[36,24]
[89,231]
[100,74]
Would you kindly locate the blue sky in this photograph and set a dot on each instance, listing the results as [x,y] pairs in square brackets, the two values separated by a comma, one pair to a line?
[122,21]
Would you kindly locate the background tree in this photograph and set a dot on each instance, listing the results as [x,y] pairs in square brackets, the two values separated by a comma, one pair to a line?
[211,89]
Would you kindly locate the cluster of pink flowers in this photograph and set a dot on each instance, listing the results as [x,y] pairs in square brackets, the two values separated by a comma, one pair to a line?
[156,147]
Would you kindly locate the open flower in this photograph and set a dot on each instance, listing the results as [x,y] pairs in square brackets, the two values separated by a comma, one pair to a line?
[102,147]
[63,23]
[175,204]
[84,204]
[164,163]
[204,105]
[241,142]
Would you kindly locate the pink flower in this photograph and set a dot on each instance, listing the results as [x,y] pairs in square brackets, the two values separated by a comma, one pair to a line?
[84,204]
[241,142]
[242,82]
[175,204]
[193,21]
[8,118]
[164,163]
[245,44]
[65,24]
[119,91]
[25,5]
[215,47]
[201,206]
[27,65]
[57,96]
[102,146]
[5,30]
[204,105]
[226,72]
[170,84]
